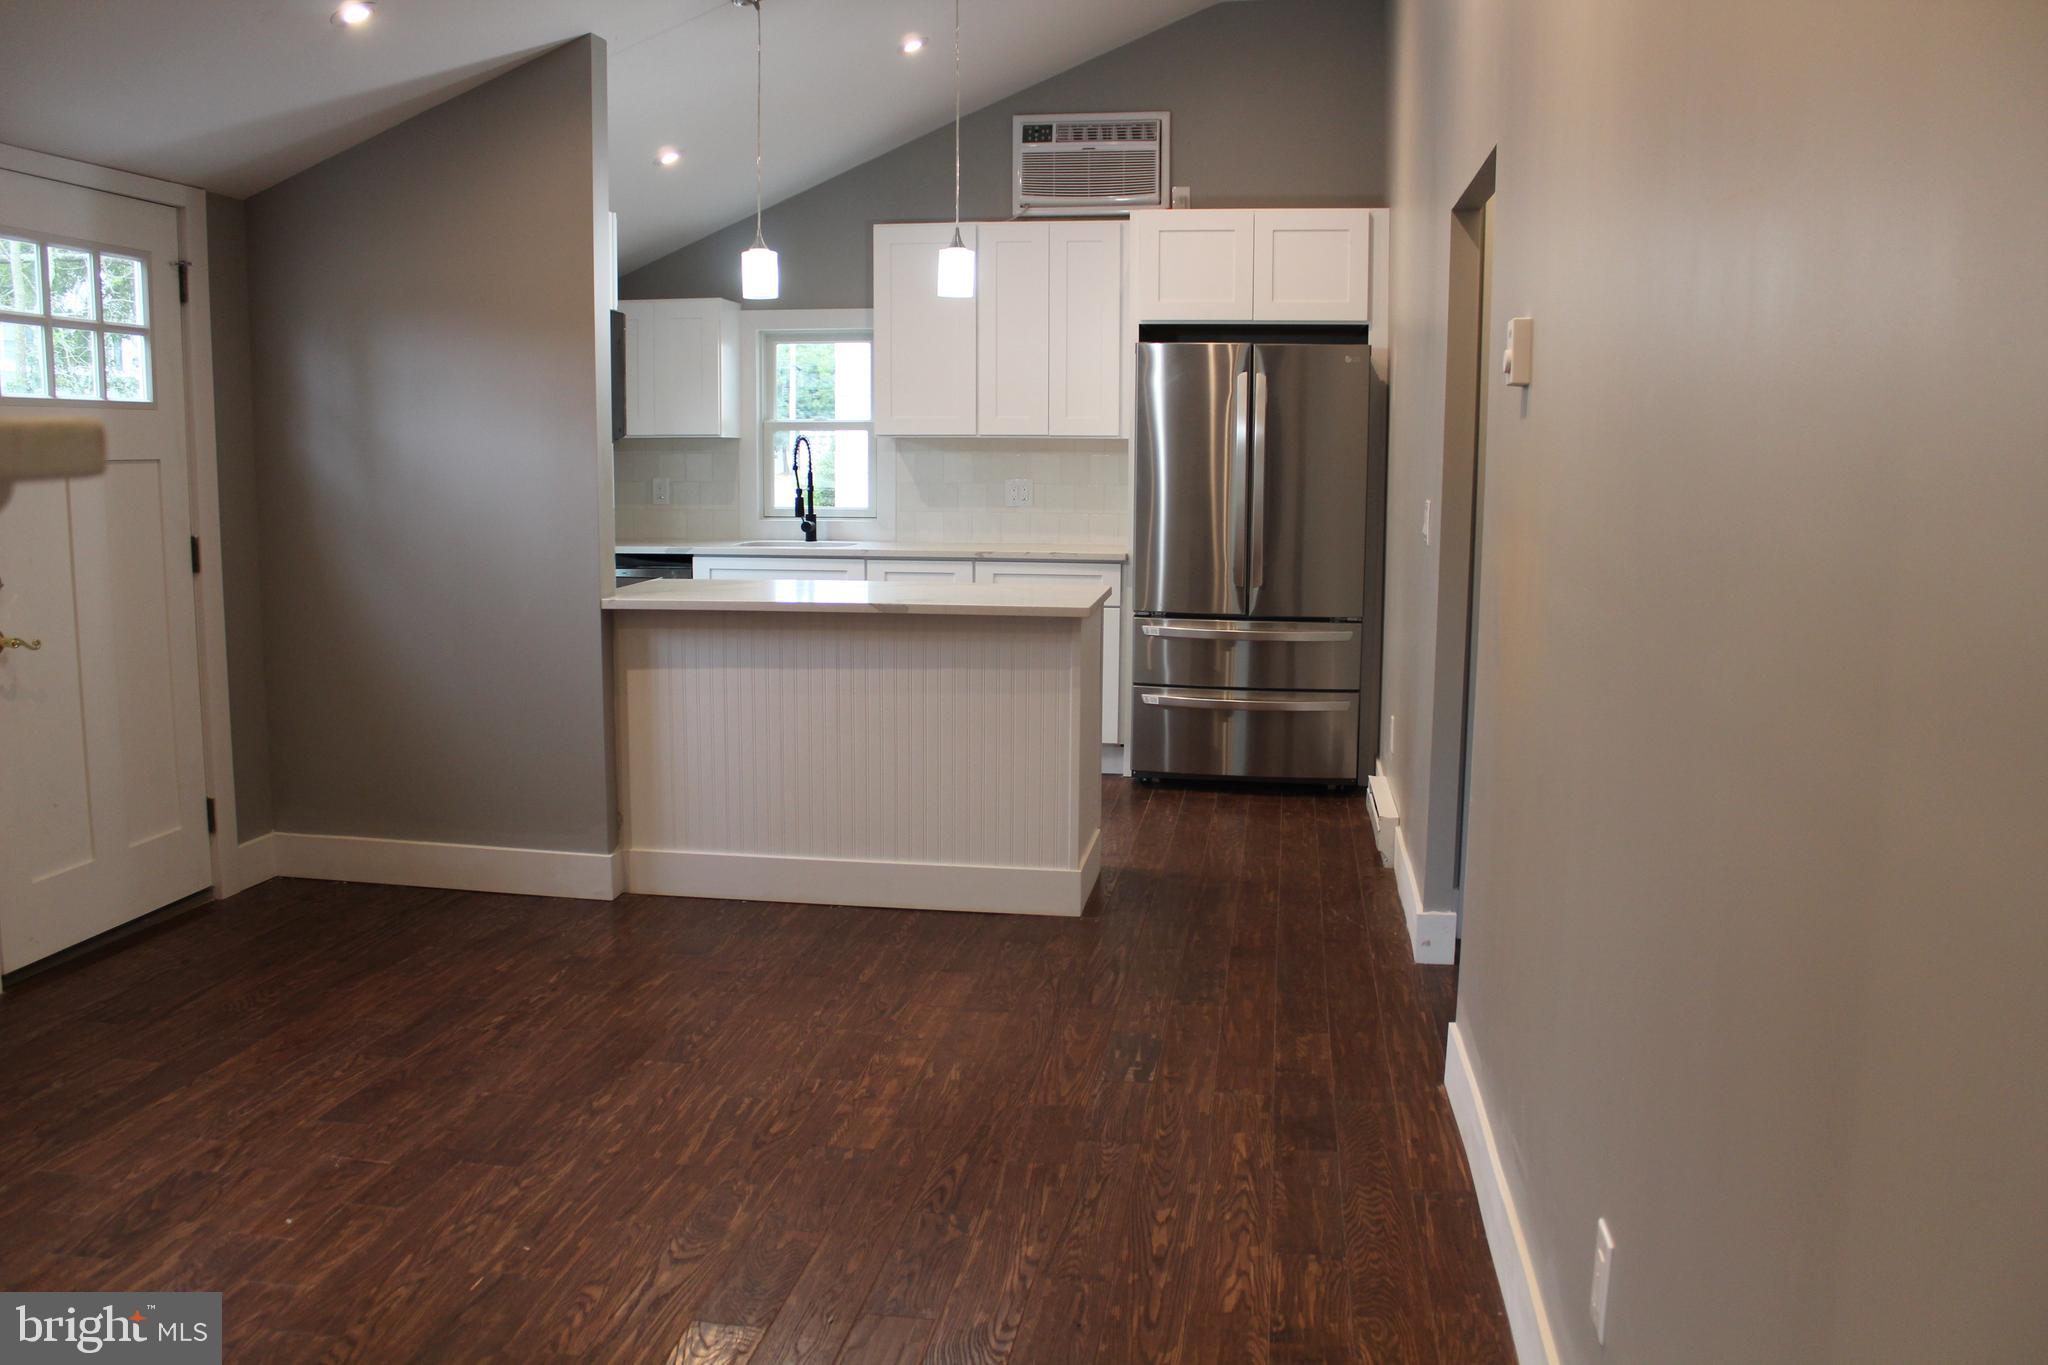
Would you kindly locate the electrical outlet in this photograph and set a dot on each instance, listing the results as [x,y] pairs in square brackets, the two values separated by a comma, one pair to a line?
[661,492]
[1017,493]
[1425,520]
[1603,1275]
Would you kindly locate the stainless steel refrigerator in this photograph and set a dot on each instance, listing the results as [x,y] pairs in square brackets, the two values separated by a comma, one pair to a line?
[1258,563]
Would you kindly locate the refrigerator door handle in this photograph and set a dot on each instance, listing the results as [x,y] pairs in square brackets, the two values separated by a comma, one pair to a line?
[1240,465]
[1258,482]
[1198,702]
[1257,632]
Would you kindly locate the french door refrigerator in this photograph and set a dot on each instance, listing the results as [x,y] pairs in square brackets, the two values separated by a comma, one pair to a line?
[1260,515]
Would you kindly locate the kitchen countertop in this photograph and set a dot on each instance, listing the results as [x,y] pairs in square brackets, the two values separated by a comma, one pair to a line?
[840,595]
[877,549]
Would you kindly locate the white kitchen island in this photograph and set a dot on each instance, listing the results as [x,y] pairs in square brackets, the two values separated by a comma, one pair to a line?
[934,747]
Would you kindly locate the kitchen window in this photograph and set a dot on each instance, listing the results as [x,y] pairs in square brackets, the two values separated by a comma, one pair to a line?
[74,323]
[818,386]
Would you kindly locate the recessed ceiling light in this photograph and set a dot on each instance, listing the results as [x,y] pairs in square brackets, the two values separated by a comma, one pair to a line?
[912,43]
[668,156]
[354,12]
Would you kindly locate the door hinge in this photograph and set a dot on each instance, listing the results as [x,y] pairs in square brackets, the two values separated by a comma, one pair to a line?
[211,827]
[184,281]
[195,554]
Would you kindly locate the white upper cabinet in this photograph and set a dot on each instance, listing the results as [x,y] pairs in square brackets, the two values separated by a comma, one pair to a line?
[1038,351]
[1313,265]
[1252,265]
[1193,265]
[924,345]
[1087,372]
[1012,286]
[682,367]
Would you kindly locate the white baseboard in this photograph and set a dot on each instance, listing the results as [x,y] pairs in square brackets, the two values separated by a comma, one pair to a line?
[1522,1292]
[1113,763]
[852,881]
[455,867]
[1386,814]
[1432,934]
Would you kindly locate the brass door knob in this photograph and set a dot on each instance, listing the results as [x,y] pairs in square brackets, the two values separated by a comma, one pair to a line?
[16,642]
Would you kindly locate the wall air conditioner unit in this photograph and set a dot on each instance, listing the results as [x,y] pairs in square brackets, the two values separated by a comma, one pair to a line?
[1076,164]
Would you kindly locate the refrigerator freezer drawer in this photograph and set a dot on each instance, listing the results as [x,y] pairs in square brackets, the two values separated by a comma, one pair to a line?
[1191,652]
[1271,736]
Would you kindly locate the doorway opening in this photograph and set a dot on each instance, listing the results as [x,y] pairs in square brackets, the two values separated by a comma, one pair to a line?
[1459,528]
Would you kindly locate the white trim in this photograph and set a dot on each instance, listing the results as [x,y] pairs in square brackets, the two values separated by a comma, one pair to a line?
[455,867]
[1432,934]
[1386,813]
[254,862]
[851,881]
[1513,1264]
[230,875]
[1114,761]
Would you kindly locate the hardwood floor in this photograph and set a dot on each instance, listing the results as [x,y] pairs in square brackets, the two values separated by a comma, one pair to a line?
[1204,1123]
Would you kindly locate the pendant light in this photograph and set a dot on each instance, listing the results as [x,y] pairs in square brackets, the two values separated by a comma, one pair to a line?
[760,271]
[956,262]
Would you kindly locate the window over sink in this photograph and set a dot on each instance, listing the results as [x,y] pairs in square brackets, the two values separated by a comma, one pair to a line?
[817,386]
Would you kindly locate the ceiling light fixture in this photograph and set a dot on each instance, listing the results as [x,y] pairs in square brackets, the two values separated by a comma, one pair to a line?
[912,43]
[760,271]
[355,12]
[956,262]
[668,156]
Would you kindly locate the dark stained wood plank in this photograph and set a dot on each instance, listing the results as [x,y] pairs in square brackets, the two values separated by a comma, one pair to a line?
[886,1341]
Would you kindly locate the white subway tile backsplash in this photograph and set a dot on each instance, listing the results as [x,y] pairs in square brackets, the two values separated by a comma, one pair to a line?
[953,490]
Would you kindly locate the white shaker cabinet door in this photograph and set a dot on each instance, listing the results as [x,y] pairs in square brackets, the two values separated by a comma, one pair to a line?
[1011,301]
[1193,265]
[1087,317]
[682,367]
[924,345]
[1313,265]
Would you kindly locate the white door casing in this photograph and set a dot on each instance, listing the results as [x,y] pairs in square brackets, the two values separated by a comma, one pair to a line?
[103,798]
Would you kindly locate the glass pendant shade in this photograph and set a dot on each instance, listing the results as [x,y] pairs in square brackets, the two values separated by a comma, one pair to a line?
[956,271]
[760,274]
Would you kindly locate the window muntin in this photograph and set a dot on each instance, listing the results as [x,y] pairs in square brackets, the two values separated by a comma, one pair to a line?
[74,323]
[819,386]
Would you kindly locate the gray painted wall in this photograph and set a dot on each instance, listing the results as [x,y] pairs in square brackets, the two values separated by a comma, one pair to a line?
[1754,944]
[431,422]
[1279,102]
[239,553]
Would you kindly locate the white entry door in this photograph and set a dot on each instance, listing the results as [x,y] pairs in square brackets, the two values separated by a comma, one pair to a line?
[102,780]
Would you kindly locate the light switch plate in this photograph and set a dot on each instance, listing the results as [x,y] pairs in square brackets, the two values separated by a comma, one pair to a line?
[1603,1276]
[1521,352]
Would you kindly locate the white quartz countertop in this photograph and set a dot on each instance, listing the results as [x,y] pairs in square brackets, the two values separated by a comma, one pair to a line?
[877,549]
[840,595]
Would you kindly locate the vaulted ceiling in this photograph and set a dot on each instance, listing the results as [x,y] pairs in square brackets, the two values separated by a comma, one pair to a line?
[235,95]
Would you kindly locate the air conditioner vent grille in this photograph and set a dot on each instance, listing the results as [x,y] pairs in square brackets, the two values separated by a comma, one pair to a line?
[1089,163]
[1126,130]
[1086,175]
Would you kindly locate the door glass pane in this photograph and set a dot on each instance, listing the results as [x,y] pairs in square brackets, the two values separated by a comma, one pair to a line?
[829,379]
[124,291]
[127,367]
[21,276]
[837,461]
[70,282]
[77,361]
[21,362]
